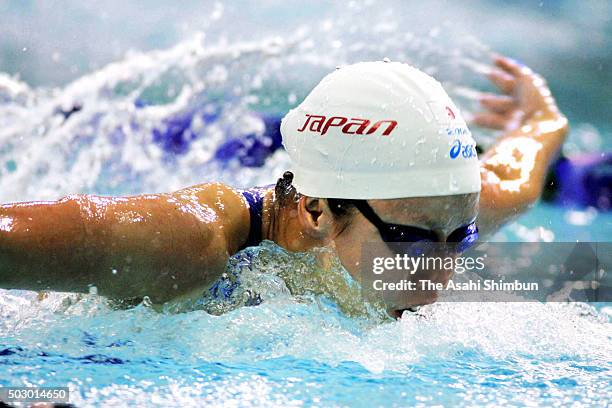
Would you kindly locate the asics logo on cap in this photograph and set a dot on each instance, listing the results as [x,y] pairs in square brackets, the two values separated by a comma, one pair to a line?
[353,126]
[467,150]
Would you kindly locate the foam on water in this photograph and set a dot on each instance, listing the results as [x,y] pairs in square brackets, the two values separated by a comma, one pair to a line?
[312,304]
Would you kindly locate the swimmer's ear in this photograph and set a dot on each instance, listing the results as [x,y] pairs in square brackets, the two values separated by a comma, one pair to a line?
[315,216]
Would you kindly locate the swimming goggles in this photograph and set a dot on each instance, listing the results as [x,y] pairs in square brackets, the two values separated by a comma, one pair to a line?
[457,241]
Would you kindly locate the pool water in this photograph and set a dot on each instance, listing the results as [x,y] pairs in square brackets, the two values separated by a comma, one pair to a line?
[286,352]
[305,341]
[302,349]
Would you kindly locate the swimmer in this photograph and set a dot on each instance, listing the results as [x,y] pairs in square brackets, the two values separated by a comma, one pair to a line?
[379,153]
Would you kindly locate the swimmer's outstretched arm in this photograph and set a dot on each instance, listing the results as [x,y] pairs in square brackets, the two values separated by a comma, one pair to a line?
[513,170]
[159,245]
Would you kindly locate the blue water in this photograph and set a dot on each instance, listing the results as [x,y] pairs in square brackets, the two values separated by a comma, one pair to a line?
[305,344]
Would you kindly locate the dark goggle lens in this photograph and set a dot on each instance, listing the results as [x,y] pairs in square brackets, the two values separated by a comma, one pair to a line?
[464,238]
[458,241]
[400,233]
[412,249]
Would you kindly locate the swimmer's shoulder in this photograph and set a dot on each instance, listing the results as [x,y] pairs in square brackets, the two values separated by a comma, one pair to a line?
[229,207]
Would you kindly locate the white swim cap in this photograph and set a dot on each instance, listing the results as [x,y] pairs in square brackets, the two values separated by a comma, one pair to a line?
[380,130]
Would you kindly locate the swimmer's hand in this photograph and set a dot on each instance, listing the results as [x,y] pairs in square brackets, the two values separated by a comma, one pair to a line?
[525,96]
[513,170]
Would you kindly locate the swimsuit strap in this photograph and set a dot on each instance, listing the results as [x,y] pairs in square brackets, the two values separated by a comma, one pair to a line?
[254,199]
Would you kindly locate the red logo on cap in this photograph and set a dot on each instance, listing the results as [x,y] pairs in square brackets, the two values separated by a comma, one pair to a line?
[450,113]
[353,126]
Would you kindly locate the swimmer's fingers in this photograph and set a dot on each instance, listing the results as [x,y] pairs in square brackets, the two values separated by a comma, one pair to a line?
[497,103]
[502,80]
[530,90]
[526,94]
[490,120]
[512,67]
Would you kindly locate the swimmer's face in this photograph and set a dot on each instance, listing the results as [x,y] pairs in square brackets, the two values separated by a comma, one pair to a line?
[441,215]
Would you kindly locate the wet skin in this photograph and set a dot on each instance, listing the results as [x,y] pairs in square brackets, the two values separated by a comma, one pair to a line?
[168,245]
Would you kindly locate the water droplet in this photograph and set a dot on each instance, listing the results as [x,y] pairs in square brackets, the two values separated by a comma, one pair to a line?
[434,154]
